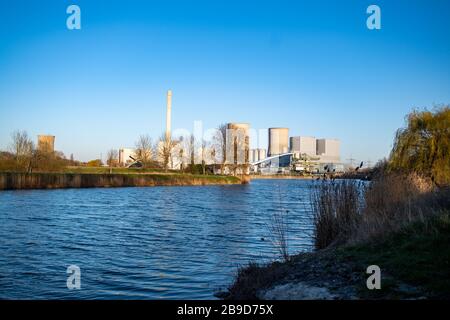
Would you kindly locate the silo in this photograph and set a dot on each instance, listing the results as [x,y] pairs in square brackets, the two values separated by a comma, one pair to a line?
[278,141]
[253,155]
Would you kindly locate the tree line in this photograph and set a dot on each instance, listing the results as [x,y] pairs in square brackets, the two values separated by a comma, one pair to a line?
[190,154]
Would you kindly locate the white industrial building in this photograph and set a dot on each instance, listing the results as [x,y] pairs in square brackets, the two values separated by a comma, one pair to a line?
[328,150]
[278,141]
[257,155]
[306,154]
[303,145]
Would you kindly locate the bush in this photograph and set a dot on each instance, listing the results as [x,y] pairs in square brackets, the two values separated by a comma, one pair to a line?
[393,201]
[351,212]
[337,211]
[94,163]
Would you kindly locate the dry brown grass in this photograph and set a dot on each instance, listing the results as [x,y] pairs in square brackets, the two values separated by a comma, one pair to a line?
[393,201]
[337,211]
[351,212]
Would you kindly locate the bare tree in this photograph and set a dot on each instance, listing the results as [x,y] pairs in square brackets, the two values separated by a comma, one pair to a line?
[111,159]
[144,149]
[181,152]
[165,148]
[23,149]
[220,139]
[190,149]
[204,145]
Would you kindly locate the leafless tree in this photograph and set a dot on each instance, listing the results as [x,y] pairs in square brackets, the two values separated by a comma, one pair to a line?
[204,146]
[23,149]
[181,152]
[190,145]
[111,159]
[165,148]
[144,149]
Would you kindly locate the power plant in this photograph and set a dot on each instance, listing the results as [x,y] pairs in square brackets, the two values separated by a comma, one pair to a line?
[285,154]
[303,145]
[305,154]
[257,154]
[278,141]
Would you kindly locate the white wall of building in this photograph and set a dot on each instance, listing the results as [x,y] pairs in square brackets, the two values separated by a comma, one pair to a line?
[257,155]
[303,144]
[329,150]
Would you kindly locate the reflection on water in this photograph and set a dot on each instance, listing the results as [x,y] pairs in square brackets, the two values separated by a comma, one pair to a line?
[143,243]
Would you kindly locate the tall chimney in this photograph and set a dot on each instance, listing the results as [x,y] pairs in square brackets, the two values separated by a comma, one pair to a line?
[168,114]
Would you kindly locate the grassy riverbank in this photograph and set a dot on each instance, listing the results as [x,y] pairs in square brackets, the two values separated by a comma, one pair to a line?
[17,181]
[400,222]
[414,263]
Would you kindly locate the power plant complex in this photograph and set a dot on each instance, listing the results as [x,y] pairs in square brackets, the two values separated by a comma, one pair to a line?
[300,154]
[285,154]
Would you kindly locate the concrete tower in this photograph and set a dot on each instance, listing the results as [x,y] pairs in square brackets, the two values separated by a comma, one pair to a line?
[169,114]
[278,141]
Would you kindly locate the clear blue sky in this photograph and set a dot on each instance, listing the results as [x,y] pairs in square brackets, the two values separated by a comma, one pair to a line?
[312,66]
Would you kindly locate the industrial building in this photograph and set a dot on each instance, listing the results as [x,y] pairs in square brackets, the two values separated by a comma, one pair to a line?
[329,150]
[280,163]
[302,154]
[305,155]
[46,143]
[257,155]
[278,141]
[303,145]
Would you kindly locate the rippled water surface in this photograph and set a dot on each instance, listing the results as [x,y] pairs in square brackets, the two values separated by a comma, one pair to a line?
[143,243]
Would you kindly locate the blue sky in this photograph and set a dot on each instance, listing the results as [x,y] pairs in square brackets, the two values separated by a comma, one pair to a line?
[312,66]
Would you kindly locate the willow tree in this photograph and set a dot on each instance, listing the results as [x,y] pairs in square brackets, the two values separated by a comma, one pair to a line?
[423,146]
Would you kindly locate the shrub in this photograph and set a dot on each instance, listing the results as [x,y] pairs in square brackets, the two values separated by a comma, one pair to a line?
[336,206]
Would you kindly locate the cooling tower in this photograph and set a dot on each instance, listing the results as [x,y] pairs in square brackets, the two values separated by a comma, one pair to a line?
[278,141]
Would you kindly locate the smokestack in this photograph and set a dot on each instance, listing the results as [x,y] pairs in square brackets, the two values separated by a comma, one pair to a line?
[168,114]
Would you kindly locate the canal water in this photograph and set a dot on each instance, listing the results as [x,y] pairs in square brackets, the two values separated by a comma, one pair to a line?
[143,243]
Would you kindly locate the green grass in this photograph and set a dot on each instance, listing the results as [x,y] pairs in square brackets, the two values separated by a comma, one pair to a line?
[418,255]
